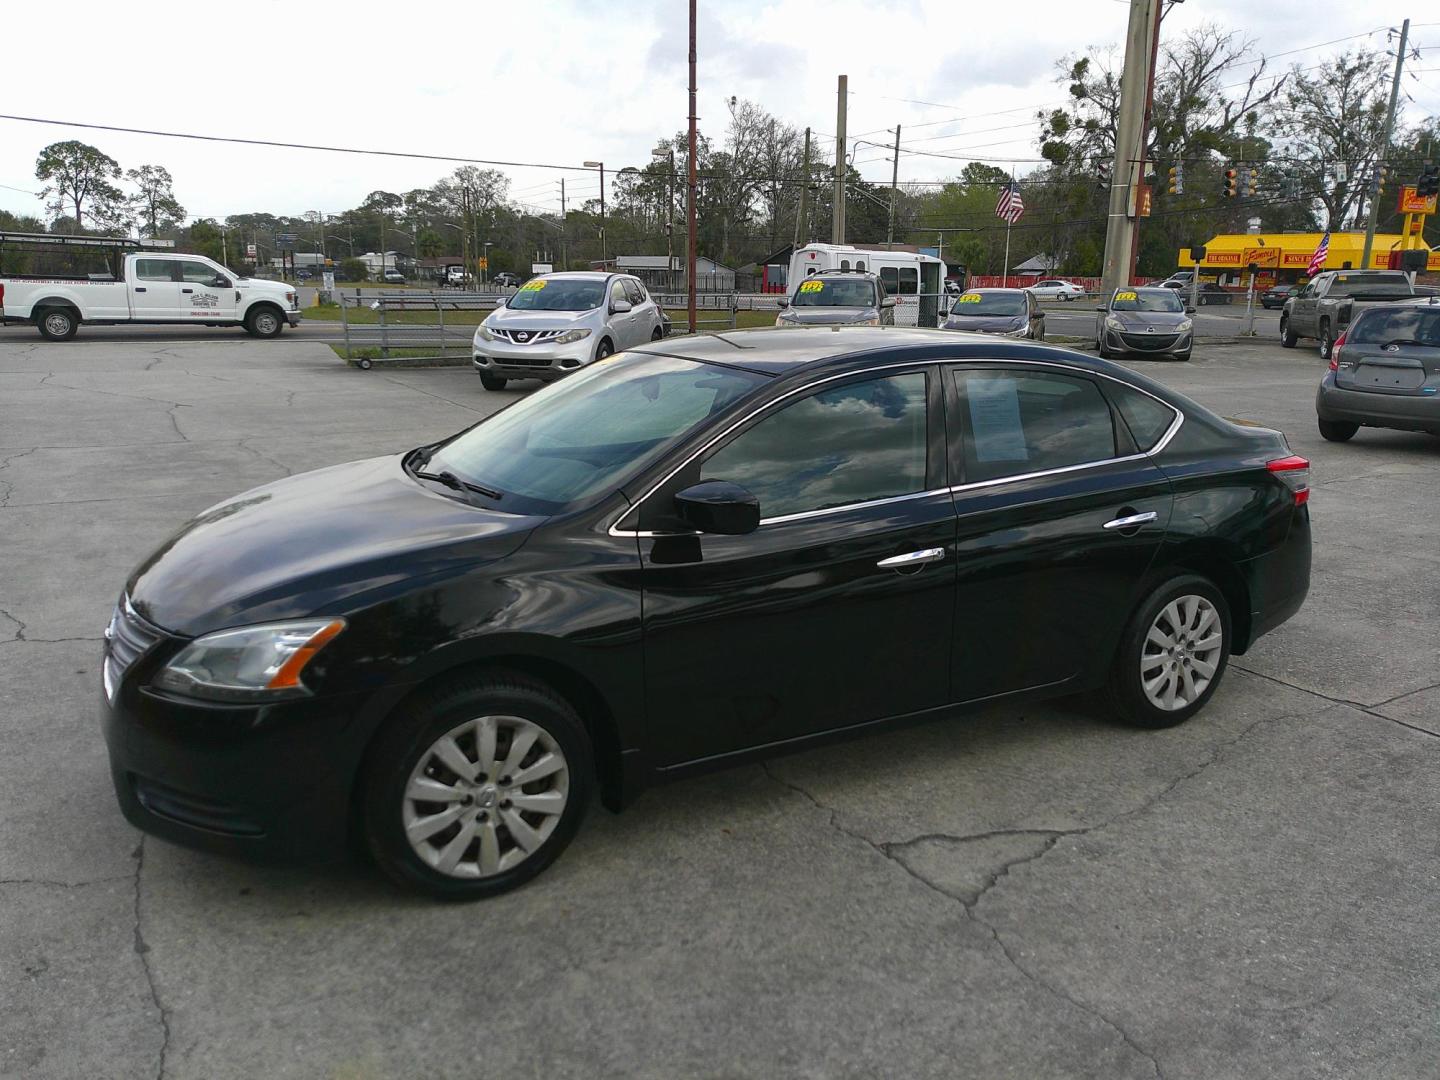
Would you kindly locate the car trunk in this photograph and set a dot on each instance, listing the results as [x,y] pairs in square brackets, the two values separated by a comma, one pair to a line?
[1392,369]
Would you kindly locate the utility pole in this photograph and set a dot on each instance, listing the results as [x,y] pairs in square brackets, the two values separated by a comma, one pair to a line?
[837,220]
[1144,155]
[894,183]
[690,186]
[1384,148]
[804,190]
[1129,143]
[564,246]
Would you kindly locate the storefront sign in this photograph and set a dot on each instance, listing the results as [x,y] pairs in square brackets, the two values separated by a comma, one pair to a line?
[1262,256]
[1222,258]
[1412,203]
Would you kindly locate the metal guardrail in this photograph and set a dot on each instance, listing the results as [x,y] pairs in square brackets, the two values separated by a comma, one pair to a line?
[386,335]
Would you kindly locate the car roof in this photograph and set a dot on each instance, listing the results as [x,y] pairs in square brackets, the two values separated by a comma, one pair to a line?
[995,292]
[781,351]
[579,275]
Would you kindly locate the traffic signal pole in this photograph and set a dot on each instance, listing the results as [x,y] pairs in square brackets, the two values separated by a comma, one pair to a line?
[1384,148]
[1129,145]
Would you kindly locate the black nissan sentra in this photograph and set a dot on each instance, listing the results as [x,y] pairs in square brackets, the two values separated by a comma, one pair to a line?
[696,553]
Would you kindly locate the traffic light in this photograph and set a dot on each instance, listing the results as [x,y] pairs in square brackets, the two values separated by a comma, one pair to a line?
[1102,174]
[1177,179]
[1382,173]
[1429,182]
[1252,182]
[1232,183]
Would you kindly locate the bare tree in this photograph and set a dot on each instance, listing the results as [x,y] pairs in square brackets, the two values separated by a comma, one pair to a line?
[1336,119]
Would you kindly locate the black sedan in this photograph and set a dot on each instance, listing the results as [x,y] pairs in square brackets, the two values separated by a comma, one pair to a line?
[1276,296]
[1384,372]
[693,554]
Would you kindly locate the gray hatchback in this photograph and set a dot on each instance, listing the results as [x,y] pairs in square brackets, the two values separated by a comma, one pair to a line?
[1140,322]
[1010,312]
[1384,372]
[838,298]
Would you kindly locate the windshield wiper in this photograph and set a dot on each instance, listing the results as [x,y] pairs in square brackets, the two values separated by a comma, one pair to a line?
[1408,341]
[421,457]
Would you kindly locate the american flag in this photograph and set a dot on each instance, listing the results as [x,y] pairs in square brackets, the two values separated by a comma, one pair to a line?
[1317,261]
[1010,205]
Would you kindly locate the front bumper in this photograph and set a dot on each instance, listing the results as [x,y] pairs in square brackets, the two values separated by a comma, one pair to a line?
[1155,344]
[1402,412]
[293,318]
[534,361]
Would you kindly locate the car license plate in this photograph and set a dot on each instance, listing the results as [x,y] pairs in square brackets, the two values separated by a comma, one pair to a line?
[1389,378]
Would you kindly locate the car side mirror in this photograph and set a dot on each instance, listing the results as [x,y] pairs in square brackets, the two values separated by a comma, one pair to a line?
[1189,310]
[889,301]
[782,302]
[220,283]
[619,307]
[720,507]
[1102,307]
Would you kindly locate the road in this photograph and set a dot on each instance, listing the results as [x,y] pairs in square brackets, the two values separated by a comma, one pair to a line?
[1033,892]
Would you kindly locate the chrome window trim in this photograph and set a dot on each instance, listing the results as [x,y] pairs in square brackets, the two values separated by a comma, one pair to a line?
[1170,433]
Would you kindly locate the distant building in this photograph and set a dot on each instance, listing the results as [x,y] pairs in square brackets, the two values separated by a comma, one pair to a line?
[710,276]
[1037,265]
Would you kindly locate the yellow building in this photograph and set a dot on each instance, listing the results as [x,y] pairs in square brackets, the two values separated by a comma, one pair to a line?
[1284,257]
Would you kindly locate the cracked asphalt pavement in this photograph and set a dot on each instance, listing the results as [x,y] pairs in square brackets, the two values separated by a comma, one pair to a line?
[1029,893]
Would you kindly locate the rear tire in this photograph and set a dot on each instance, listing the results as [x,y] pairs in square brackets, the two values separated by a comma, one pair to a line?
[1158,677]
[404,757]
[57,324]
[264,322]
[492,382]
[1337,430]
[1287,338]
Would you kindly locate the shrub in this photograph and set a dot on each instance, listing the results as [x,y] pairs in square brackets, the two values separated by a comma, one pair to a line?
[353,270]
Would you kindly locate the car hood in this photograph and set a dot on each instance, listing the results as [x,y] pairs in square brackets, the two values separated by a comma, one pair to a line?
[509,319]
[986,322]
[266,285]
[1143,320]
[829,316]
[307,544]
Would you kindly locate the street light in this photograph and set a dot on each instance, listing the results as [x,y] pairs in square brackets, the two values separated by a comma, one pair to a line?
[485,260]
[669,155]
[601,166]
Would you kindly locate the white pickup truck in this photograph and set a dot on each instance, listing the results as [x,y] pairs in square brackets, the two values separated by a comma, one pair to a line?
[152,287]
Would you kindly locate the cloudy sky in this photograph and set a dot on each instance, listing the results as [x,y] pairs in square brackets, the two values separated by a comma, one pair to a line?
[559,82]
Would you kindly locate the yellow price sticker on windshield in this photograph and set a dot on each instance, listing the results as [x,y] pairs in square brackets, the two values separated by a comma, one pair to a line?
[533,286]
[1126,296]
[969,298]
[812,286]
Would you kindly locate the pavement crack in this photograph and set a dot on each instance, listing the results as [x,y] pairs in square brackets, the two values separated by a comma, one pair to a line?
[142,950]
[51,883]
[175,421]
[1359,706]
[19,634]
[284,469]
[5,464]
[427,393]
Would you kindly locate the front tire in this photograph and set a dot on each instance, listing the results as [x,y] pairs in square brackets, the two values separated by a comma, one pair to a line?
[476,789]
[264,322]
[1172,655]
[57,324]
[492,382]
[604,349]
[1327,343]
[1337,430]
[1288,338]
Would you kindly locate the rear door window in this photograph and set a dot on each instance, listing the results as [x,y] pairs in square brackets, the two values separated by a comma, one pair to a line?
[1016,423]
[1147,418]
[154,269]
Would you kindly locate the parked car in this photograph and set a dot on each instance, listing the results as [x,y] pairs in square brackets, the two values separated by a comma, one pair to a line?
[1144,322]
[1210,293]
[1055,289]
[1384,372]
[557,323]
[1324,307]
[505,280]
[1276,295]
[455,276]
[835,298]
[1181,279]
[391,276]
[1011,312]
[449,650]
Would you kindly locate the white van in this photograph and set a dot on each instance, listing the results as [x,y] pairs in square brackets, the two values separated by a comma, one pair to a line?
[913,280]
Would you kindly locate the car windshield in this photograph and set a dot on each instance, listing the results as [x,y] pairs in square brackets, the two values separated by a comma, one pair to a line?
[835,292]
[988,303]
[1146,300]
[589,432]
[559,294]
[1394,325]
[1370,285]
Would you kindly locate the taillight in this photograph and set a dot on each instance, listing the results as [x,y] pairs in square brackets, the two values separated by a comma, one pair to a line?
[1335,350]
[1294,473]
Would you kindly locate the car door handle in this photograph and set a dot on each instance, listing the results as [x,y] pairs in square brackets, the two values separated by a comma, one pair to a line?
[912,558]
[1132,521]
[139,288]
[187,290]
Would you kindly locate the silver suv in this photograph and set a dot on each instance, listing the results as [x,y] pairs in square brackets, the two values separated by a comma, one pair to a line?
[557,323]
[838,297]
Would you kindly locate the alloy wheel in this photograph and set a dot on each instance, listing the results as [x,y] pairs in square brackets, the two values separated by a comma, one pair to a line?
[1181,652]
[485,796]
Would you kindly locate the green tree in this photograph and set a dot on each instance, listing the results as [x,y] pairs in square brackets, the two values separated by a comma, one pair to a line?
[353,270]
[154,200]
[79,180]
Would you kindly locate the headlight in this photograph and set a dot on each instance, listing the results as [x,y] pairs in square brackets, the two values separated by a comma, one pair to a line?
[1114,323]
[482,334]
[257,663]
[1184,326]
[874,320]
[572,335]
[1019,331]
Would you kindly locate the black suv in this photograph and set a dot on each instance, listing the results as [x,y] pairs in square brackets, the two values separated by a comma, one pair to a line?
[695,553]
